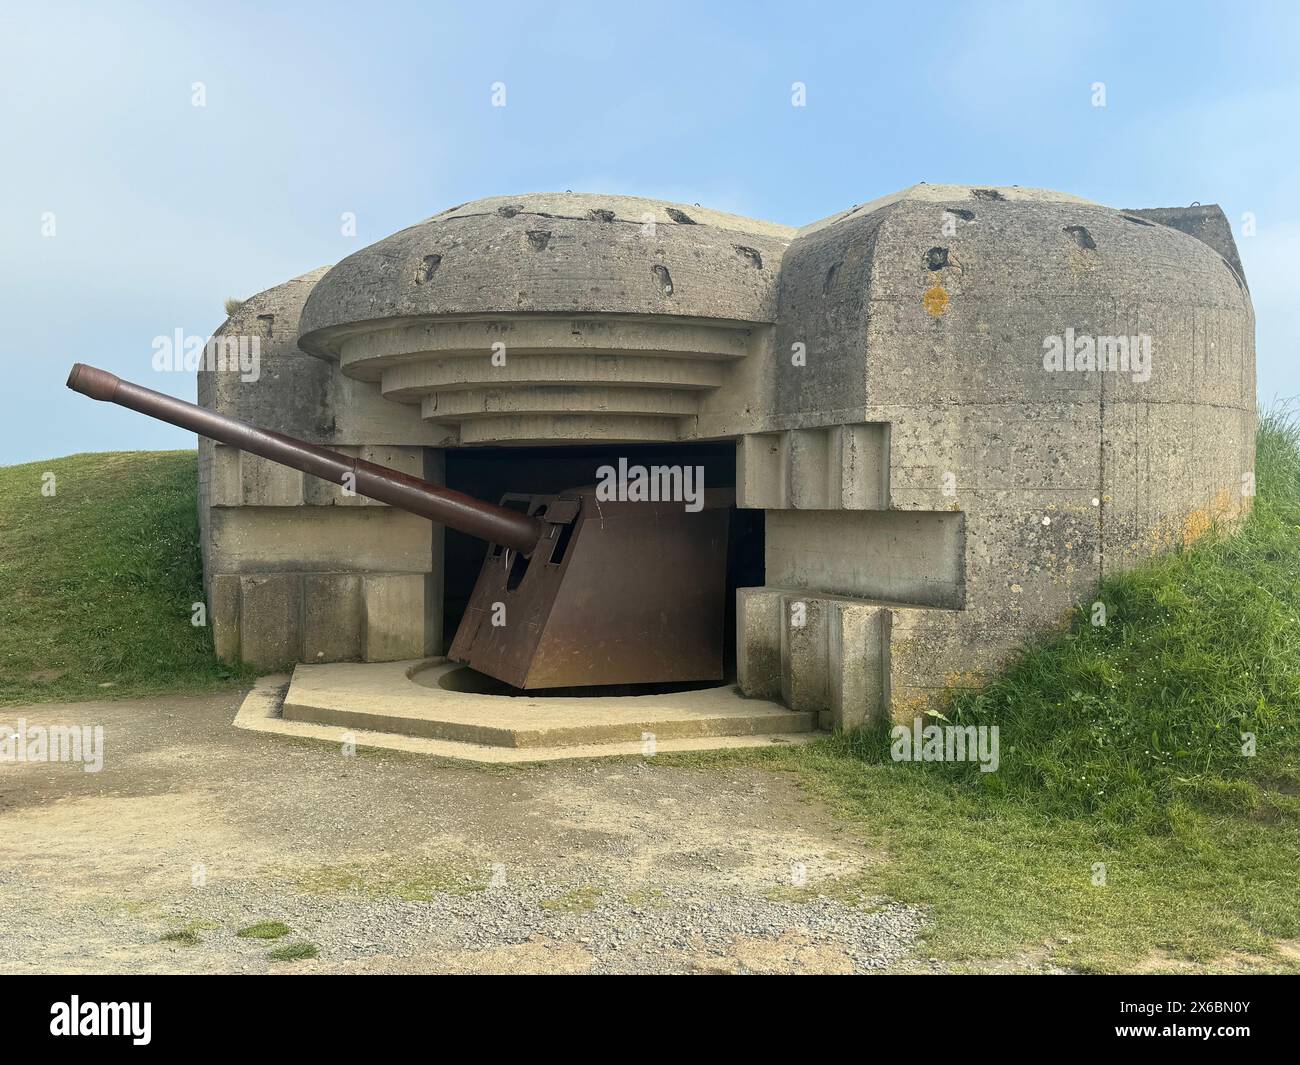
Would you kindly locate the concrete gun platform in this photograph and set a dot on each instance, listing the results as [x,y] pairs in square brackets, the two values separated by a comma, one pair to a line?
[405,706]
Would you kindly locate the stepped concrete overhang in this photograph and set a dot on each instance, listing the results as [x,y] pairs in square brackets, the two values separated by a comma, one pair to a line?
[613,315]
[935,491]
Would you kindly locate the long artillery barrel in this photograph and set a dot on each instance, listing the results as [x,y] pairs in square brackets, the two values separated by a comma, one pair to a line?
[497,524]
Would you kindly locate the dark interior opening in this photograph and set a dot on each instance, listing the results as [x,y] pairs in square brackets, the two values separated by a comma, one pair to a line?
[464,679]
[492,472]
[518,567]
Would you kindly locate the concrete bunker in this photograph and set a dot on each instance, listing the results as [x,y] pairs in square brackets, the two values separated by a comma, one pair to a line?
[931,493]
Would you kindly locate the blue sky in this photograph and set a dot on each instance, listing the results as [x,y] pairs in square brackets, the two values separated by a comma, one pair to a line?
[163,209]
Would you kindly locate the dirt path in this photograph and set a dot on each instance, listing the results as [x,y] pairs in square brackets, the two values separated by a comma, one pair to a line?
[395,863]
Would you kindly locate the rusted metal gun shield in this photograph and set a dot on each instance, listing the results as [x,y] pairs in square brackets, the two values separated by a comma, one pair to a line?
[634,594]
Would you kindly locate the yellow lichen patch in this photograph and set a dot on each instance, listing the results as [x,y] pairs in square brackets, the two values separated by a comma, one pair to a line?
[1196,525]
[1224,509]
[935,300]
[913,706]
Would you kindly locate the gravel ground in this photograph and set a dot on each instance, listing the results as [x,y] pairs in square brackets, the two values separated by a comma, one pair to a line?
[395,863]
[507,929]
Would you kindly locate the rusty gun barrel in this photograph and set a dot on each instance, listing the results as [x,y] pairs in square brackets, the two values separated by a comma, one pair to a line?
[488,521]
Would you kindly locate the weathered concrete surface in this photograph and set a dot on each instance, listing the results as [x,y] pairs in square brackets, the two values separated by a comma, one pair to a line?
[1206,223]
[311,539]
[284,552]
[895,555]
[300,394]
[270,606]
[828,655]
[556,252]
[398,616]
[404,699]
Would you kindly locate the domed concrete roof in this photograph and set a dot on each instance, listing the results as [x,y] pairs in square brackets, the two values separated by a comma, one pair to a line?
[952,290]
[984,241]
[546,253]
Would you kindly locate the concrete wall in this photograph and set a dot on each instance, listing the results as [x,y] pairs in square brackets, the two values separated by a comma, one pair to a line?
[927,313]
[295,568]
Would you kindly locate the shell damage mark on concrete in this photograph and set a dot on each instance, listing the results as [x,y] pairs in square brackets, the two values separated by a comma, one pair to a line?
[1081,237]
[964,213]
[936,258]
[427,268]
[538,239]
[600,214]
[268,324]
[750,255]
[664,278]
[987,194]
[507,211]
[829,279]
[680,217]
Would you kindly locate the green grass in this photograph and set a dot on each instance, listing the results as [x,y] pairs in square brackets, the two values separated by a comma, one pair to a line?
[1127,721]
[409,879]
[188,935]
[578,900]
[1121,746]
[296,951]
[1003,878]
[264,930]
[650,898]
[97,581]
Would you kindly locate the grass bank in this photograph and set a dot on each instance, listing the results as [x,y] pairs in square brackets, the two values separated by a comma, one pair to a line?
[1127,827]
[99,571]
